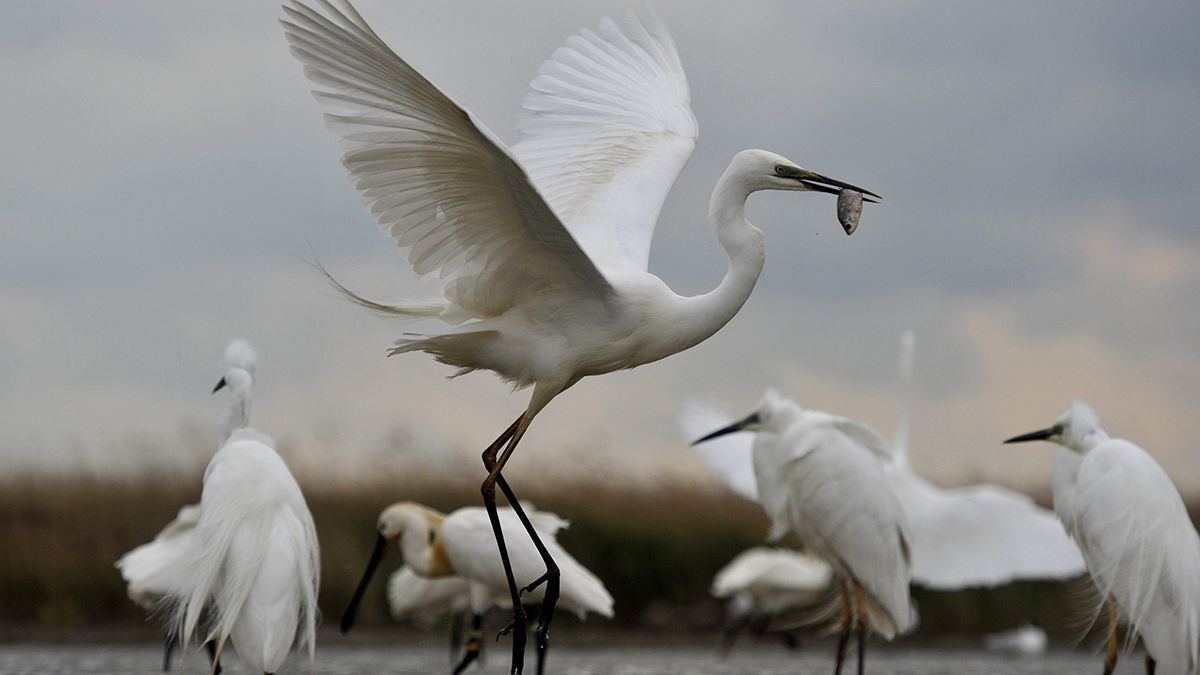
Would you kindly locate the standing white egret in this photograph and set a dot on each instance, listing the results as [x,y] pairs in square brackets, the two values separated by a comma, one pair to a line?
[541,250]
[152,568]
[254,571]
[763,584]
[820,477]
[461,543]
[1141,548]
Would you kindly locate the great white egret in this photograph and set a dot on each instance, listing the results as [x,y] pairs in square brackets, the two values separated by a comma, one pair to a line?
[1141,548]
[976,535]
[254,569]
[461,544]
[150,569]
[819,476]
[764,584]
[541,249]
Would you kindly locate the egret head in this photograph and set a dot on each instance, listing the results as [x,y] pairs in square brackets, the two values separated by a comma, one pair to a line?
[1077,429]
[241,363]
[764,170]
[774,413]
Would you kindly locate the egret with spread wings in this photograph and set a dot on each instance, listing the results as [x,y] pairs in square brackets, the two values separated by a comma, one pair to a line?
[541,249]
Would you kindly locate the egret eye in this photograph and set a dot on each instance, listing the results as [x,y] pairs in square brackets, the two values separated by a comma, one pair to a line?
[780,169]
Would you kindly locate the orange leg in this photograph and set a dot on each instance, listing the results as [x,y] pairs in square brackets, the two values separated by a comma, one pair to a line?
[1110,655]
[845,622]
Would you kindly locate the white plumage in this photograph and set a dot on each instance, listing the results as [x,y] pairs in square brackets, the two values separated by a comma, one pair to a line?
[258,569]
[1134,531]
[1028,640]
[820,477]
[151,569]
[412,596]
[768,582]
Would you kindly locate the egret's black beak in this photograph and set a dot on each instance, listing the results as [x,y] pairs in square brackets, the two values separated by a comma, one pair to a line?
[381,543]
[220,386]
[1039,435]
[819,183]
[732,428]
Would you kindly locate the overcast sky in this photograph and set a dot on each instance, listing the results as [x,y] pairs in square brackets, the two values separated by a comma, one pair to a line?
[165,171]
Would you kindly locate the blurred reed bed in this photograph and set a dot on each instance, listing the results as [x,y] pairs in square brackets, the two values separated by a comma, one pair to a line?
[655,548]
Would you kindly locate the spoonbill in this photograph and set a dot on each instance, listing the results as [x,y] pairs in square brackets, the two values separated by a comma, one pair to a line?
[819,476]
[435,544]
[150,569]
[1141,548]
[541,249]
[254,568]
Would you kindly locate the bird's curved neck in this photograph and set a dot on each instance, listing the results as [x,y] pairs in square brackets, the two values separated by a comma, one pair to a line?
[743,244]
[238,414]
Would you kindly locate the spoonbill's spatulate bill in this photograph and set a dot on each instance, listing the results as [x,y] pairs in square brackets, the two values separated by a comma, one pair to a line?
[819,476]
[1140,546]
[542,249]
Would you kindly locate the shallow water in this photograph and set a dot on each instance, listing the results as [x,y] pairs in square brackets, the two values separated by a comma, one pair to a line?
[565,660]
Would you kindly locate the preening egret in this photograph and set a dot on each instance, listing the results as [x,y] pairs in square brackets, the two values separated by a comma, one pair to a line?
[819,476]
[150,569]
[422,600]
[541,249]
[764,584]
[978,535]
[1141,548]
[255,568]
[461,543]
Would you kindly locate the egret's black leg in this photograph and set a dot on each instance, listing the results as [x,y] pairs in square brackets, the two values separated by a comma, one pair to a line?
[474,643]
[844,632]
[456,631]
[730,636]
[169,648]
[494,465]
[1151,665]
[550,578]
[213,659]
[862,648]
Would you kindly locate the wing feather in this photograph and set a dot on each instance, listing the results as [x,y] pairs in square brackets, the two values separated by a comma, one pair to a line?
[438,182]
[607,126]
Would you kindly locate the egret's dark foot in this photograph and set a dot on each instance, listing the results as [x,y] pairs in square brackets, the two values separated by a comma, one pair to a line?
[542,636]
[168,650]
[1151,665]
[535,583]
[213,658]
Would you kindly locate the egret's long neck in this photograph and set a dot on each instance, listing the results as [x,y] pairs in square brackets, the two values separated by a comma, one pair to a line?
[743,244]
[238,414]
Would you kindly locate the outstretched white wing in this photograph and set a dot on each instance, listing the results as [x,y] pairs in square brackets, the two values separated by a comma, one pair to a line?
[730,456]
[439,183]
[982,535]
[607,127]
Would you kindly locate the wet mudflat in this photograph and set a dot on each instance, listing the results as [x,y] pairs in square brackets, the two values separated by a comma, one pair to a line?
[565,660]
